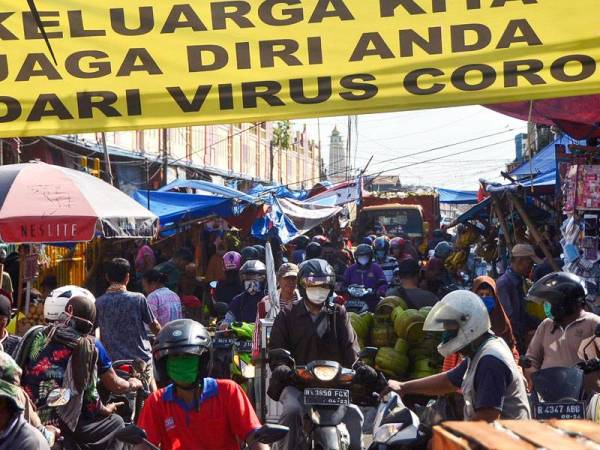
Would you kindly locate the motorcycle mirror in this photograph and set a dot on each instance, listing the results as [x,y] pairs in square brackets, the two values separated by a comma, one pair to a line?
[221,309]
[267,434]
[368,353]
[58,397]
[281,356]
[597,331]
[213,284]
[131,434]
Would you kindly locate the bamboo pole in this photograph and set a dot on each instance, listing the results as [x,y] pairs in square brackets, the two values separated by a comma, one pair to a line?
[533,230]
[502,219]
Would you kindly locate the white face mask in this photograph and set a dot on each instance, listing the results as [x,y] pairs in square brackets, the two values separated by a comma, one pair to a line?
[317,295]
[252,286]
[363,260]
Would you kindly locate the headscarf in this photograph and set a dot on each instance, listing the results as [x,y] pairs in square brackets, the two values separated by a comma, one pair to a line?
[500,323]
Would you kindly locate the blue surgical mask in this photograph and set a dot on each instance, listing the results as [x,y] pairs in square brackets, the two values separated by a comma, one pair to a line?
[363,260]
[252,287]
[548,310]
[489,301]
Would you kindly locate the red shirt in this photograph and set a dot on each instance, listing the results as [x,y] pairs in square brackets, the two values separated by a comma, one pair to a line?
[224,419]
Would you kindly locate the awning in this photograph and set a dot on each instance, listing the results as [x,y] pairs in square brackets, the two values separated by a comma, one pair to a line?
[479,211]
[338,194]
[543,161]
[457,197]
[211,188]
[173,208]
[279,191]
[579,116]
[288,219]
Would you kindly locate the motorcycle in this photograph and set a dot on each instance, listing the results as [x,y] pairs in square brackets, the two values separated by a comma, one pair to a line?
[233,354]
[396,427]
[267,434]
[357,298]
[558,392]
[132,402]
[329,390]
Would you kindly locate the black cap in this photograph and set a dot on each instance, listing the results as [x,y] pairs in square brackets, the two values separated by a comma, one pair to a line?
[408,267]
[5,306]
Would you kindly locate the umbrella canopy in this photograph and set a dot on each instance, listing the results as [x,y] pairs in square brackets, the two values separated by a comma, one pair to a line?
[42,203]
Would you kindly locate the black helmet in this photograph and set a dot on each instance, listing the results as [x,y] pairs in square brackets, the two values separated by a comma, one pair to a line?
[249,253]
[182,337]
[315,273]
[564,291]
[301,242]
[382,243]
[364,250]
[253,267]
[261,251]
[313,250]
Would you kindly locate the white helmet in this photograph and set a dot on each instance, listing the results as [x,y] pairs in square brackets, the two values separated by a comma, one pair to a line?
[460,311]
[57,301]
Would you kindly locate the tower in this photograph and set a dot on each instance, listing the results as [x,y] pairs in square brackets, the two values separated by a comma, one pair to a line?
[337,157]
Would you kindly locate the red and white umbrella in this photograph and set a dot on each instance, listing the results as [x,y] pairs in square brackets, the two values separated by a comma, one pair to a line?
[43,203]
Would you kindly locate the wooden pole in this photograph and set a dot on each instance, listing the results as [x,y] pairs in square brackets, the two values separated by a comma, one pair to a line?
[533,230]
[502,219]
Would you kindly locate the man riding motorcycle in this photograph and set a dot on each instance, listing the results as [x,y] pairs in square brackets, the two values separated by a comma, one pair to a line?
[243,306]
[195,412]
[64,356]
[314,329]
[491,382]
[367,273]
[388,263]
[559,337]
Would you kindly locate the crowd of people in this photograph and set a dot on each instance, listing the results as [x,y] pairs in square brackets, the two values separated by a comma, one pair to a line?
[486,330]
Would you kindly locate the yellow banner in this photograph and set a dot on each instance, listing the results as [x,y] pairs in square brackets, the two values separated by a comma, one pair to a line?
[142,64]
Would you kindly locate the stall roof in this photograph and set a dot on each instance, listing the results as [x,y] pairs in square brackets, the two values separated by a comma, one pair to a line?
[480,210]
[457,197]
[543,161]
[212,188]
[173,207]
[279,191]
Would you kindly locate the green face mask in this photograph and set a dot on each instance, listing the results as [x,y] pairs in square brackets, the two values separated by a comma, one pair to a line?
[548,310]
[183,369]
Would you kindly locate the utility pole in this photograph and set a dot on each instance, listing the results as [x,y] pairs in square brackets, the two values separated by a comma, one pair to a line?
[165,152]
[348,147]
[272,159]
[107,159]
[147,181]
[1,152]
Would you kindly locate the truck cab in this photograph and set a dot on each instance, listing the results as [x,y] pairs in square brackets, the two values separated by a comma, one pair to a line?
[397,219]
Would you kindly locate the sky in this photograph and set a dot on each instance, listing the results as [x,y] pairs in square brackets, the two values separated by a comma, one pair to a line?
[400,143]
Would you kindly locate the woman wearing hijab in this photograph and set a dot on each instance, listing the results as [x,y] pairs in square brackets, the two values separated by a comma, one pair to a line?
[485,287]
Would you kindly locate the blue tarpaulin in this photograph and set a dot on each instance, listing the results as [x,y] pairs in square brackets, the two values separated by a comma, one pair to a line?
[457,197]
[278,191]
[206,186]
[173,207]
[543,161]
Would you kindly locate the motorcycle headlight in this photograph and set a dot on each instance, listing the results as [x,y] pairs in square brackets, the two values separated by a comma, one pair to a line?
[325,373]
[248,370]
[385,432]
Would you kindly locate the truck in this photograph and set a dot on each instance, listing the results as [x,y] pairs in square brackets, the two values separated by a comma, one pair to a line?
[411,214]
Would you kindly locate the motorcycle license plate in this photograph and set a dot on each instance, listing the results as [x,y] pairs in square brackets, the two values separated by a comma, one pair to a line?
[223,342]
[326,396]
[559,410]
[245,346]
[355,305]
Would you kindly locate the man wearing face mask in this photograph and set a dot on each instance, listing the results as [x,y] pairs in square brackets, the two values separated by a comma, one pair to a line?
[194,411]
[367,273]
[243,306]
[387,263]
[559,337]
[314,329]
[491,382]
